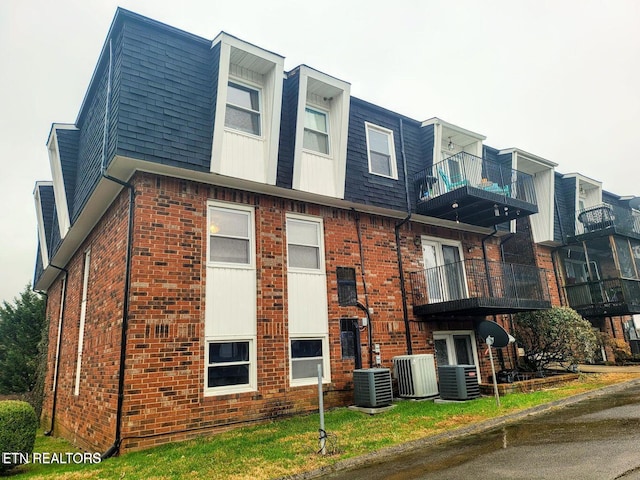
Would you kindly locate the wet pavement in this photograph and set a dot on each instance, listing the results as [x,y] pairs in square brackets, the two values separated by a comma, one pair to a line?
[598,438]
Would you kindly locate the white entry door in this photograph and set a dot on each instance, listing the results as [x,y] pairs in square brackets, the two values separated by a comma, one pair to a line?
[444,270]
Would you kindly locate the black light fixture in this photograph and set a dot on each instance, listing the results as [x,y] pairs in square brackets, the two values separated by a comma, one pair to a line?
[450,144]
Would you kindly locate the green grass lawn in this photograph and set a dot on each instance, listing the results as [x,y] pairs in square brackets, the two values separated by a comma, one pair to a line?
[290,446]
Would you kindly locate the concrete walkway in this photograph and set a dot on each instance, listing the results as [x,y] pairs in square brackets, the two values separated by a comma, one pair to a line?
[609,369]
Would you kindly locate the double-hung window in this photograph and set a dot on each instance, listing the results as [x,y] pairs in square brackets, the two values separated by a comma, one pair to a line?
[228,363]
[303,241]
[381,151]
[316,130]
[306,355]
[243,109]
[229,236]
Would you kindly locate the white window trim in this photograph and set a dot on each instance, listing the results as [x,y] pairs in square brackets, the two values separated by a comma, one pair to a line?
[449,243]
[326,113]
[326,363]
[229,389]
[251,86]
[252,235]
[83,315]
[318,221]
[392,150]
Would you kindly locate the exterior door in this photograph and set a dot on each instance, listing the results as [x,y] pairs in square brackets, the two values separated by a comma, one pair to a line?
[444,271]
[457,347]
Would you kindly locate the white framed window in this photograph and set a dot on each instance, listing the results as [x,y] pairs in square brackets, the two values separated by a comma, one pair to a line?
[231,239]
[381,151]
[230,365]
[316,130]
[304,244]
[306,354]
[83,315]
[243,111]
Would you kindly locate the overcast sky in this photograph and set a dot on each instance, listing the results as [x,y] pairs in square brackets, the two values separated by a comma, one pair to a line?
[559,79]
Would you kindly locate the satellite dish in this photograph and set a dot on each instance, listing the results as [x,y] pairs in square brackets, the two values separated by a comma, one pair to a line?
[501,337]
[635,203]
[494,336]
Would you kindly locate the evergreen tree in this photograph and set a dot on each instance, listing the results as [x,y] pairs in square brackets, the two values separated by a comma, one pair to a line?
[21,327]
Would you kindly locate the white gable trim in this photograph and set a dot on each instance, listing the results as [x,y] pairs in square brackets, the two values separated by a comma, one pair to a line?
[42,235]
[59,192]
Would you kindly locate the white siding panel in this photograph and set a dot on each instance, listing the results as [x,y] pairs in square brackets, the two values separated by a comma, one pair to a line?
[230,302]
[542,222]
[317,174]
[308,311]
[243,157]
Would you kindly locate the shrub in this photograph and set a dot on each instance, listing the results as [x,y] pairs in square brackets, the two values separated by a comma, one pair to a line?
[18,425]
[558,335]
[621,350]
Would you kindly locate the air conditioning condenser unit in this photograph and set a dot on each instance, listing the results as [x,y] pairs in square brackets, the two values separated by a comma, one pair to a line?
[416,375]
[458,382]
[372,387]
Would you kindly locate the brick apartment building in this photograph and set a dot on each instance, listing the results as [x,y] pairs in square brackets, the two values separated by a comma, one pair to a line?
[217,227]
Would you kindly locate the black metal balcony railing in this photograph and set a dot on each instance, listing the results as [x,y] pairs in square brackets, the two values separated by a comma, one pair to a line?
[464,169]
[612,296]
[474,286]
[605,216]
[473,189]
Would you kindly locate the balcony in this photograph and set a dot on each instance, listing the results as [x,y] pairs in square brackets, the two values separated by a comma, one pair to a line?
[603,298]
[469,189]
[609,219]
[473,288]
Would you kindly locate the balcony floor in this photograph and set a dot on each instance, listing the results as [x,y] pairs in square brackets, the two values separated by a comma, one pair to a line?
[607,310]
[476,206]
[477,307]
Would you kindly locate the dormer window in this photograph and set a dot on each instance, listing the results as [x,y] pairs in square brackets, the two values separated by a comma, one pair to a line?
[316,131]
[243,109]
[248,101]
[381,151]
[320,141]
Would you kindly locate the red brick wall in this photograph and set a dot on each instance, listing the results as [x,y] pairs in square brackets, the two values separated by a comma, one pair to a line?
[164,381]
[88,418]
[544,260]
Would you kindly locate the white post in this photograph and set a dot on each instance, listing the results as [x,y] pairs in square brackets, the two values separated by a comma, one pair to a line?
[323,435]
[489,342]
